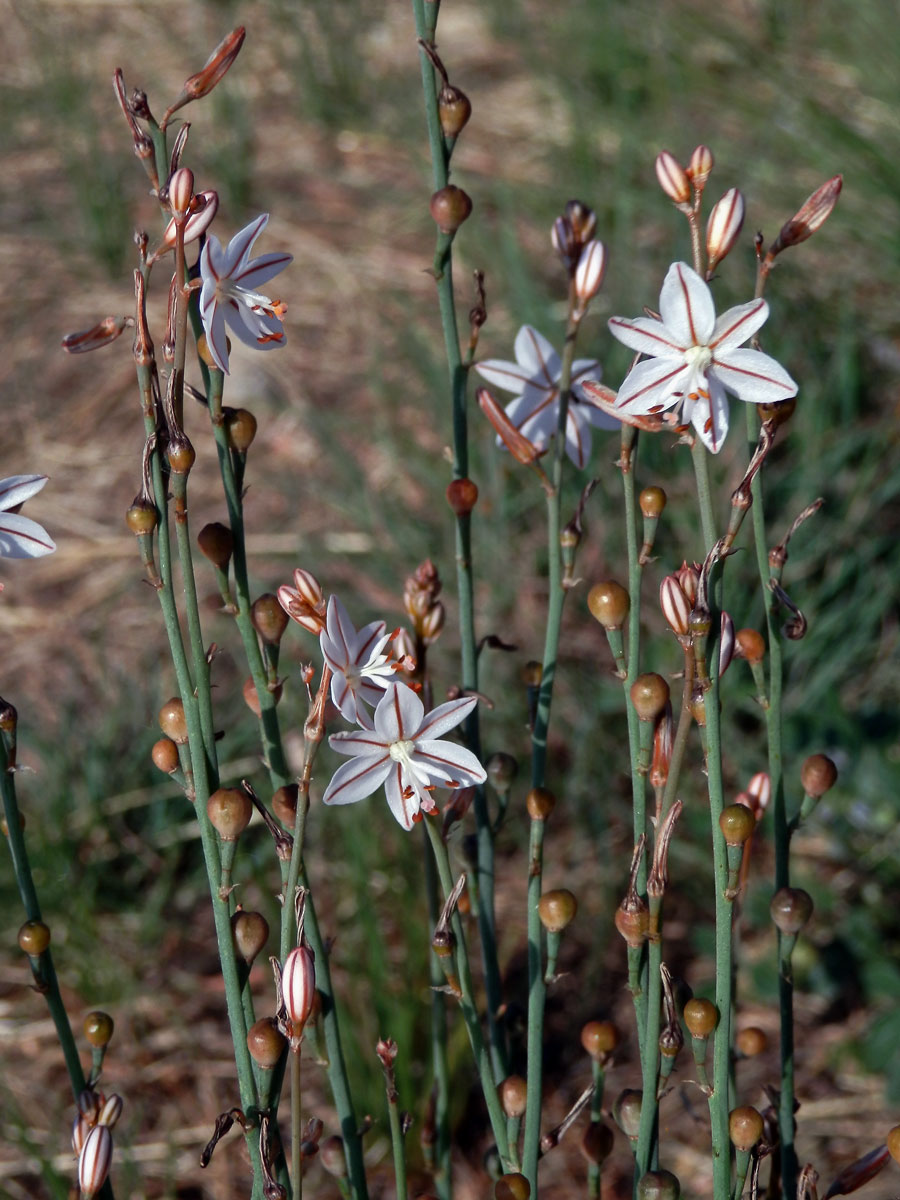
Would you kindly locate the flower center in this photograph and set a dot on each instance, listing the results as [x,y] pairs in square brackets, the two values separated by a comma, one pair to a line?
[401,751]
[698,358]
[226,289]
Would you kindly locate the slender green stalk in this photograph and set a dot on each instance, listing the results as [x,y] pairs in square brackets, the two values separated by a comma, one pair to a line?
[647,1132]
[296,1166]
[398,1148]
[440,1067]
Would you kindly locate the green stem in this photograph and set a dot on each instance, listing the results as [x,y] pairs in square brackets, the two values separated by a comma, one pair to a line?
[296,1167]
[441,1166]
[650,1063]
[397,1147]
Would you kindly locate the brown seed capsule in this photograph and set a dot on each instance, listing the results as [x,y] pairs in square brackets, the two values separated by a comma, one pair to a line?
[512,1186]
[751,1041]
[745,1127]
[142,517]
[750,644]
[778,411]
[250,931]
[240,426]
[633,922]
[649,695]
[251,696]
[532,674]
[165,755]
[181,455]
[557,909]
[892,1142]
[652,501]
[737,823]
[599,1039]
[627,1111]
[791,908]
[513,1094]
[284,804]
[269,618]
[540,803]
[450,207]
[98,1028]
[597,1143]
[658,1185]
[265,1043]
[818,774]
[172,721]
[216,542]
[462,495]
[229,811]
[609,604]
[454,110]
[701,1017]
[34,938]
[332,1157]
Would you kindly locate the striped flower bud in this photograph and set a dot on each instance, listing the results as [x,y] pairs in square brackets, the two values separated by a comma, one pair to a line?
[97,336]
[814,212]
[673,178]
[111,1111]
[298,987]
[94,1160]
[759,789]
[181,189]
[689,578]
[726,644]
[701,165]
[675,605]
[81,1127]
[724,226]
[590,272]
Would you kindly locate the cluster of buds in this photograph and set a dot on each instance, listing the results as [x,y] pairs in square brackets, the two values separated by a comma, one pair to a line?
[678,601]
[92,1138]
[304,602]
[684,187]
[420,599]
[582,254]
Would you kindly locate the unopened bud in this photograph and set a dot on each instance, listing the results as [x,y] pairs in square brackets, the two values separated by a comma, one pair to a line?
[181,189]
[759,789]
[582,220]
[432,623]
[96,337]
[675,605]
[517,443]
[673,178]
[700,166]
[111,1111]
[94,1160]
[689,578]
[590,271]
[815,212]
[724,226]
[565,243]
[726,643]
[203,82]
[203,208]
[298,986]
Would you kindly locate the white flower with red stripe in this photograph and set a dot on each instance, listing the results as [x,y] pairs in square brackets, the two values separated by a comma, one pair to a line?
[534,376]
[406,752]
[21,537]
[229,294]
[360,671]
[693,358]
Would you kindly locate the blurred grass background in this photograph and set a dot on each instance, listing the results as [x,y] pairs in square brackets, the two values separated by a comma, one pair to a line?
[320,123]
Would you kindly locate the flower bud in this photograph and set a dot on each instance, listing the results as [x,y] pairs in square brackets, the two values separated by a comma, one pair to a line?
[599,1038]
[565,243]
[726,643]
[111,1111]
[582,221]
[814,212]
[724,226]
[94,1160]
[96,337]
[298,986]
[701,165]
[540,803]
[557,909]
[649,695]
[450,206]
[240,428]
[269,618]
[250,932]
[34,938]
[609,604]
[590,271]
[513,1093]
[265,1043]
[689,578]
[203,82]
[229,811]
[81,1127]
[701,1017]
[675,605]
[522,450]
[432,623]
[203,208]
[818,775]
[181,189]
[751,1041]
[98,1028]
[745,1127]
[658,1185]
[673,178]
[462,495]
[791,908]
[89,1104]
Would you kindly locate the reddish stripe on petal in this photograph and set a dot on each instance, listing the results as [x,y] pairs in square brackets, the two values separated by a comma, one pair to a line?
[652,387]
[733,328]
[656,337]
[687,307]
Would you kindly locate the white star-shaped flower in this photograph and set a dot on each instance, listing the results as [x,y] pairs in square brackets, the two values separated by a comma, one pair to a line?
[534,376]
[230,279]
[360,671]
[19,536]
[694,358]
[405,752]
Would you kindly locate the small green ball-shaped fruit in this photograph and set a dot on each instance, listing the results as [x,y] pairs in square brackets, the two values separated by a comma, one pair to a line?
[269,618]
[229,811]
[513,1093]
[597,1143]
[751,1041]
[701,1017]
[893,1143]
[512,1186]
[165,755]
[791,908]
[265,1043]
[98,1029]
[609,604]
[250,931]
[172,721]
[557,909]
[658,1185]
[240,428]
[627,1111]
[745,1127]
[737,823]
[652,501]
[649,695]
[818,774]
[599,1038]
[540,803]
[216,542]
[34,938]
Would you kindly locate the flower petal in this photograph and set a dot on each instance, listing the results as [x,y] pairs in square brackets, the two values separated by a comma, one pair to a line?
[21,537]
[216,338]
[16,489]
[647,336]
[445,717]
[241,244]
[710,418]
[652,385]
[358,742]
[508,376]
[448,762]
[261,270]
[355,780]
[578,436]
[735,326]
[399,714]
[686,306]
[535,353]
[402,801]
[754,376]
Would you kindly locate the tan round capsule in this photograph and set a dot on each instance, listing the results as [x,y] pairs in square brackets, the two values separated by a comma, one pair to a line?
[609,604]
[701,1017]
[173,722]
